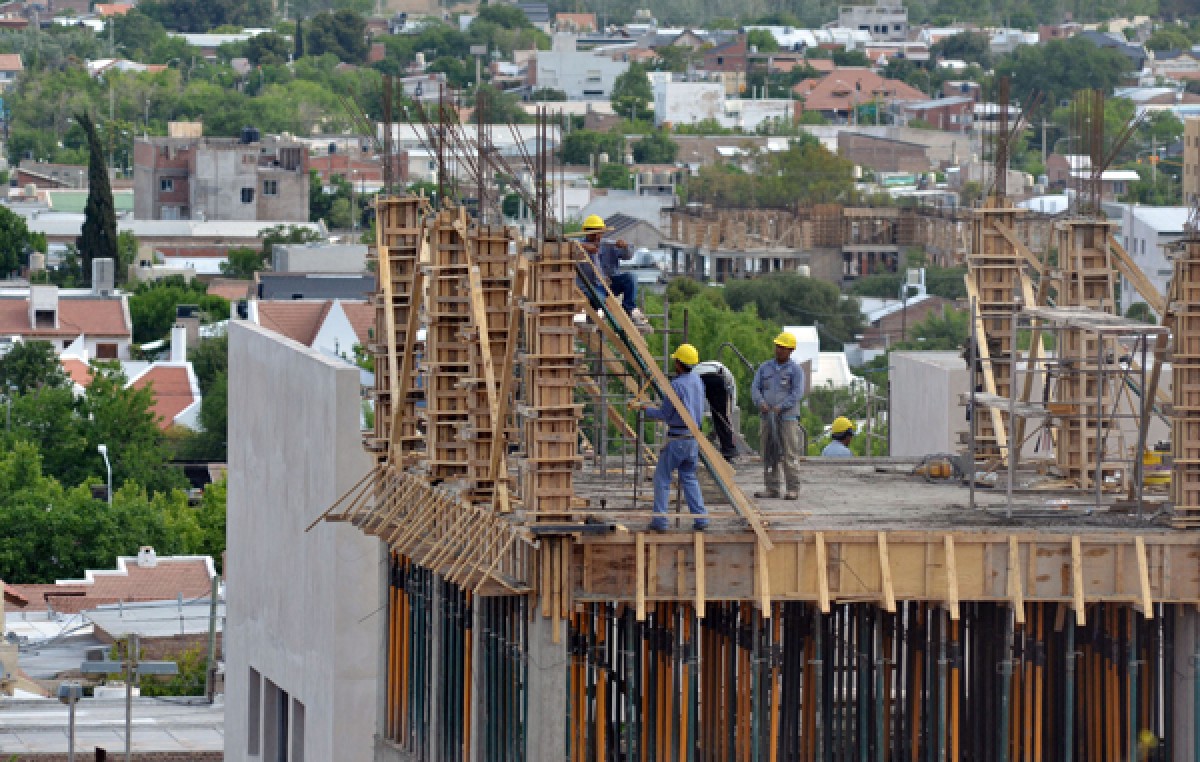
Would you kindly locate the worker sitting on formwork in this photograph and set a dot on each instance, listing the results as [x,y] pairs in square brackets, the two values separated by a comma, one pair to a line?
[606,255]
[778,388]
[842,431]
[681,451]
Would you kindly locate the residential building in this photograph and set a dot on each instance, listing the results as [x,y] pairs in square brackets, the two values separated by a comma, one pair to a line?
[45,175]
[948,114]
[1134,51]
[1191,160]
[332,327]
[883,154]
[838,94]
[1061,167]
[64,316]
[10,68]
[728,63]
[1005,41]
[210,43]
[317,690]
[967,88]
[246,178]
[575,23]
[1146,232]
[1113,182]
[313,285]
[691,102]
[581,74]
[884,19]
[319,258]
[1048,32]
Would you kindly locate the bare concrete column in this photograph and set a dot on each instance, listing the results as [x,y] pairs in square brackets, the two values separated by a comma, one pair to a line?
[1187,627]
[546,721]
[478,685]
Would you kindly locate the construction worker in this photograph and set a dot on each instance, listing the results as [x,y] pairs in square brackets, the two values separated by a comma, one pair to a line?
[681,450]
[720,392]
[842,431]
[777,390]
[606,254]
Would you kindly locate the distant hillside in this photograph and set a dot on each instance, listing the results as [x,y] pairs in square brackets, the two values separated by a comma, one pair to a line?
[811,13]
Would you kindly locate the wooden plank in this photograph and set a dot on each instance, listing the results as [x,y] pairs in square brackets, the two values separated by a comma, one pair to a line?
[985,355]
[822,573]
[1132,273]
[1014,591]
[951,578]
[1007,233]
[885,575]
[764,581]
[640,582]
[1139,544]
[698,550]
[1077,581]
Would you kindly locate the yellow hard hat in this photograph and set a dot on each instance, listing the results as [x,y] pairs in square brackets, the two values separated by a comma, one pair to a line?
[594,223]
[841,425]
[786,340]
[1147,740]
[686,354]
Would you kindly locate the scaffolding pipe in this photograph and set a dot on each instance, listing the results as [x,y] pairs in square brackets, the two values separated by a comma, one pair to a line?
[1006,671]
[943,665]
[1069,691]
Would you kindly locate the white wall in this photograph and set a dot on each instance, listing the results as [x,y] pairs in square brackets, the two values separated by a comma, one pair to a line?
[688,102]
[925,414]
[580,74]
[336,337]
[305,609]
[1142,239]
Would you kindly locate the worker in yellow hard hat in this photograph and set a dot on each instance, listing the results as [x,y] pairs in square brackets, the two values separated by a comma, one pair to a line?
[842,431]
[778,387]
[606,254]
[681,451]
[1147,746]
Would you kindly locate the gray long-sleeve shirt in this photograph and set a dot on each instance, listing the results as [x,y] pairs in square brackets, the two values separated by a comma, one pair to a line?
[779,387]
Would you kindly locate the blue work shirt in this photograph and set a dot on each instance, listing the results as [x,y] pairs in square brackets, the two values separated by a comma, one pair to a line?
[690,389]
[779,387]
[609,255]
[836,449]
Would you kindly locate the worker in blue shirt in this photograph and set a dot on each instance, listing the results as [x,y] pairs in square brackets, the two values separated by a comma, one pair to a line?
[842,431]
[606,255]
[778,387]
[681,450]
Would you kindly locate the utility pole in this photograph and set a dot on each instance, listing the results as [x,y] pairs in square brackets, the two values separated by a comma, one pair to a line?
[210,672]
[133,668]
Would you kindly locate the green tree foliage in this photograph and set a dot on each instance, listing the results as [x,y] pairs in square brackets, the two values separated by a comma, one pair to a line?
[31,365]
[499,107]
[342,33]
[1061,67]
[583,146]
[631,93]
[547,94]
[298,49]
[127,249]
[142,38]
[655,148]
[762,40]
[972,47]
[285,234]
[947,330]
[16,242]
[850,58]
[190,680]
[806,173]
[1153,189]
[790,299]
[204,15]
[268,49]
[505,28]
[152,305]
[1169,38]
[243,261]
[616,176]
[676,58]
[99,236]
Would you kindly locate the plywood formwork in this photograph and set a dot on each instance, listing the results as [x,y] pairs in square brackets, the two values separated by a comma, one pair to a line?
[1185,384]
[1085,380]
[400,236]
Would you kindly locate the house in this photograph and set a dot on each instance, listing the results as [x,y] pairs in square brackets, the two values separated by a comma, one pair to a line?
[582,75]
[692,102]
[537,13]
[893,320]
[967,88]
[10,68]
[182,177]
[1134,51]
[1146,232]
[883,154]
[1113,182]
[884,19]
[838,94]
[144,577]
[65,316]
[1048,32]
[728,63]
[948,114]
[210,43]
[1178,65]
[269,286]
[576,23]
[332,327]
[1060,167]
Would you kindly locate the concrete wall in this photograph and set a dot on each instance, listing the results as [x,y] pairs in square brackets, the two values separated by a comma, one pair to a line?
[579,74]
[319,258]
[221,175]
[306,610]
[688,102]
[926,416]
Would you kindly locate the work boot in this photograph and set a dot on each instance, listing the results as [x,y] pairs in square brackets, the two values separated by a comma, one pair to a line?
[700,526]
[639,320]
[791,495]
[772,494]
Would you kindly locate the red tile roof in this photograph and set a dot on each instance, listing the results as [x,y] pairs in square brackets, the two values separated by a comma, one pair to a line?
[362,317]
[297,320]
[230,288]
[94,317]
[11,62]
[79,371]
[13,596]
[113,9]
[172,576]
[172,390]
[842,89]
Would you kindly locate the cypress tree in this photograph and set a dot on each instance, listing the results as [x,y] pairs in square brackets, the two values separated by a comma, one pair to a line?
[299,51]
[99,236]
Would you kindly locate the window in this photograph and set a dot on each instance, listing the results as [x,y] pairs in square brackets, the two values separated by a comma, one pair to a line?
[254,713]
[297,731]
[247,195]
[720,60]
[275,723]
[166,185]
[106,351]
[270,187]
[169,213]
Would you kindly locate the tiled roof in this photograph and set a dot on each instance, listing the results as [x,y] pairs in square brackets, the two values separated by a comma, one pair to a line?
[94,317]
[11,62]
[13,596]
[78,370]
[113,9]
[362,317]
[170,577]
[842,89]
[297,320]
[172,390]
[230,288]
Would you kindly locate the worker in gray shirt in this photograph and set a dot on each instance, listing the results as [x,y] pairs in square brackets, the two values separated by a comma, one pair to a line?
[778,387]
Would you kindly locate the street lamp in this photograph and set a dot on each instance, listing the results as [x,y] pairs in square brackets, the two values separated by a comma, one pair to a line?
[69,693]
[103,450]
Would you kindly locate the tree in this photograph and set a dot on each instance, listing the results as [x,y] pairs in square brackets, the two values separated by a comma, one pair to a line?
[762,40]
[242,262]
[31,365]
[205,15]
[98,239]
[1060,68]
[631,93]
[615,176]
[127,249]
[1169,38]
[342,33]
[581,147]
[547,94]
[790,299]
[285,234]
[152,305]
[655,148]
[806,173]
[1140,311]
[15,241]
[268,49]
[969,46]
[499,107]
[298,40]
[850,58]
